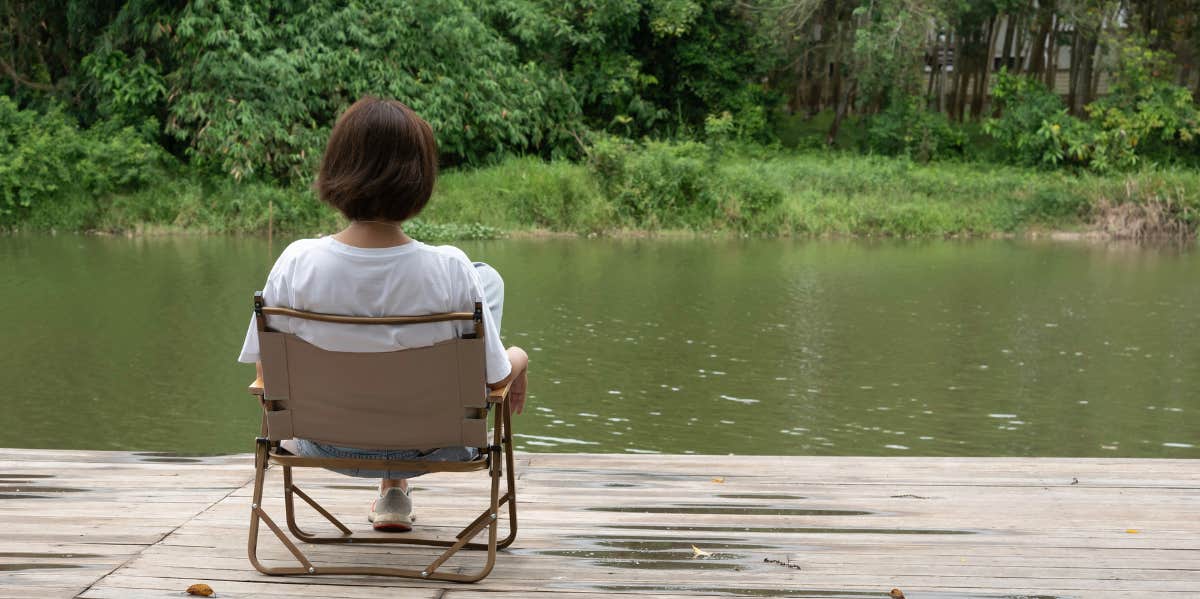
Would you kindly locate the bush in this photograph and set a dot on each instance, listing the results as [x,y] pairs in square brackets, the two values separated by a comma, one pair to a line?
[656,184]
[685,185]
[908,128]
[1033,128]
[49,167]
[1144,115]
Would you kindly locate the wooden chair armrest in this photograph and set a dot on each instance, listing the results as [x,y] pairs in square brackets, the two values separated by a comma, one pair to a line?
[498,395]
[256,388]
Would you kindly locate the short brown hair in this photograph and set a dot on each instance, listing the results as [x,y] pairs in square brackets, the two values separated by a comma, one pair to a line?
[380,164]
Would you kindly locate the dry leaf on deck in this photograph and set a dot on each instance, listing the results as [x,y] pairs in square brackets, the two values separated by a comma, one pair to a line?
[698,552]
[896,594]
[719,479]
[202,590]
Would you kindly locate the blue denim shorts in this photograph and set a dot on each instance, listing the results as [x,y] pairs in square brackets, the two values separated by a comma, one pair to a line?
[312,449]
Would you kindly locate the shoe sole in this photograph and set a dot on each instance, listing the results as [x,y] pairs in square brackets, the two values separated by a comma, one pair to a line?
[392,527]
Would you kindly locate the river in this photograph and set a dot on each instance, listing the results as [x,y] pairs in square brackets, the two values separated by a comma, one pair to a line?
[962,348]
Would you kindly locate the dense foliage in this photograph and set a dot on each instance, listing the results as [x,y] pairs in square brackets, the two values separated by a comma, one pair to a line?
[1143,117]
[653,98]
[44,156]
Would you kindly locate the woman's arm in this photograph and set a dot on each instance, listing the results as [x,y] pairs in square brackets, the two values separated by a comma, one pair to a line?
[516,380]
[256,388]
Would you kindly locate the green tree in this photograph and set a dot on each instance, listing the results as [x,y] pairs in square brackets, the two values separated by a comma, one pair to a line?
[644,67]
[260,82]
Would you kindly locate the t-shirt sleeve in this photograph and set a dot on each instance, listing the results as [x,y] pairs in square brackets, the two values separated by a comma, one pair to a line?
[498,366]
[250,352]
[274,293]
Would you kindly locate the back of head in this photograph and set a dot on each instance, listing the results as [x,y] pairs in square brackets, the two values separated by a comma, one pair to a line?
[380,163]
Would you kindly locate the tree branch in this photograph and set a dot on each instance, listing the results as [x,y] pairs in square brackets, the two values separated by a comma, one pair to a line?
[19,80]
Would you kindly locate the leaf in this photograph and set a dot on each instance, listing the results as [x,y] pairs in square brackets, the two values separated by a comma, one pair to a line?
[896,594]
[201,589]
[698,552]
[719,480]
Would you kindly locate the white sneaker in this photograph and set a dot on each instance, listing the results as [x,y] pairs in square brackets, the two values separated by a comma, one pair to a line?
[392,511]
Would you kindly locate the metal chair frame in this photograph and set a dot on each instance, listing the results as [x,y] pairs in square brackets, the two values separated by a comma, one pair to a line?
[496,458]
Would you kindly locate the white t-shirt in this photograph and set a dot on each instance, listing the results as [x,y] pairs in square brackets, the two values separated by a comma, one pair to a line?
[325,275]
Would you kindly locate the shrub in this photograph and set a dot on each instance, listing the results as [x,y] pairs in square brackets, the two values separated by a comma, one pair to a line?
[1144,114]
[908,128]
[687,185]
[47,162]
[1034,128]
[656,184]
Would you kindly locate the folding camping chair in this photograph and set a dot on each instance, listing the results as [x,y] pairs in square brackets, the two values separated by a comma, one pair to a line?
[419,398]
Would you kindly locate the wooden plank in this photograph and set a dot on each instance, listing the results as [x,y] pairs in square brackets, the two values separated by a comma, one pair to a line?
[608,525]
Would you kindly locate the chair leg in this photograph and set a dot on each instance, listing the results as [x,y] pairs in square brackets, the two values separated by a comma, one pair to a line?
[489,519]
[511,480]
[289,488]
[260,471]
[257,514]
[288,505]
[510,494]
[493,524]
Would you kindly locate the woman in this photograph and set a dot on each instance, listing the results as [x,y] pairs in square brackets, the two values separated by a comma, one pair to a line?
[379,170]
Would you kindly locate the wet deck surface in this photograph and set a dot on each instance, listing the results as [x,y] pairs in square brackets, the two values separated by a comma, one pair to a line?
[126,525]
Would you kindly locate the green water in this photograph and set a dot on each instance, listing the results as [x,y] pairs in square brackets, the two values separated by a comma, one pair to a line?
[755,347]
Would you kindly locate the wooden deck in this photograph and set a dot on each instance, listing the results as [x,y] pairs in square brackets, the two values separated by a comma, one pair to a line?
[125,525]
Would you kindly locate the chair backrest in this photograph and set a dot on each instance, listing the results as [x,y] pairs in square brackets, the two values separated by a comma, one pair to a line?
[419,398]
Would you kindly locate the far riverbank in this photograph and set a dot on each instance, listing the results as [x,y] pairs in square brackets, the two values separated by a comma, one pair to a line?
[680,189]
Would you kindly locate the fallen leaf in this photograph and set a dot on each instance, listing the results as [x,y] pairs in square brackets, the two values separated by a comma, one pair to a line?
[719,479]
[698,552]
[201,589]
[1132,531]
[896,594]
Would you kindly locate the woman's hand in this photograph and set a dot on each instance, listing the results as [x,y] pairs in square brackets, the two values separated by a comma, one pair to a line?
[517,381]
[516,393]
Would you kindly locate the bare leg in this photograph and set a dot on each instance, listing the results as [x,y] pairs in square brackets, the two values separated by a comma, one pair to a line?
[390,483]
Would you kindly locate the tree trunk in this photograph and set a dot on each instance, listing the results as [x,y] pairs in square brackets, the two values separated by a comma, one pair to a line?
[1022,36]
[1078,47]
[820,64]
[1094,90]
[801,72]
[940,85]
[840,113]
[1010,25]
[935,66]
[836,87]
[960,89]
[1087,69]
[1037,53]
[1052,56]
[985,69]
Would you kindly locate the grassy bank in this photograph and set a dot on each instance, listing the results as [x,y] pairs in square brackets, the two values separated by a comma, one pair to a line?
[686,186]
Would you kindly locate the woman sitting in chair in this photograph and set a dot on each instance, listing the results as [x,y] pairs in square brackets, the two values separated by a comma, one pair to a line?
[379,170]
